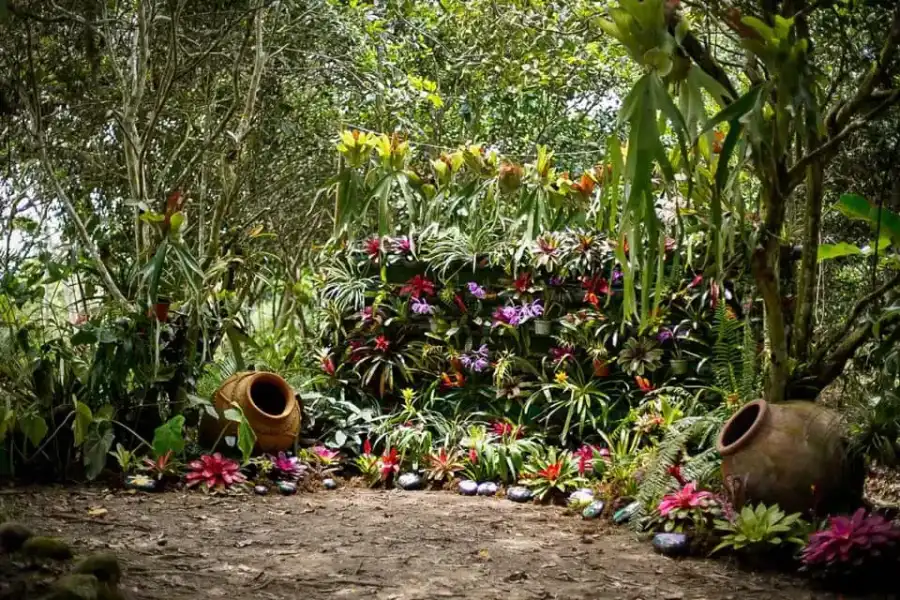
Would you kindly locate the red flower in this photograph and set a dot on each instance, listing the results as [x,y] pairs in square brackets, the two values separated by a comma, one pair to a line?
[460,304]
[373,248]
[561,354]
[595,285]
[585,456]
[214,472]
[417,286]
[389,464]
[644,384]
[328,366]
[685,499]
[585,185]
[551,472]
[382,344]
[698,279]
[473,456]
[367,447]
[504,429]
[675,471]
[522,283]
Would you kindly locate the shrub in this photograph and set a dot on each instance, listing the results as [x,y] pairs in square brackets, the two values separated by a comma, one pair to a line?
[758,530]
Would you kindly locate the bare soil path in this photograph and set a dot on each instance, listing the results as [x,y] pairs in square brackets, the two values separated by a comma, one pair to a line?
[354,543]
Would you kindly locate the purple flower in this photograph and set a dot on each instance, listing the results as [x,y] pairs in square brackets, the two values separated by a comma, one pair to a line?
[476,290]
[664,335]
[477,360]
[367,315]
[506,315]
[617,276]
[530,311]
[556,280]
[420,306]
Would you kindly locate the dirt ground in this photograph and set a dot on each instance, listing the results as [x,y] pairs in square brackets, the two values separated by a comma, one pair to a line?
[354,543]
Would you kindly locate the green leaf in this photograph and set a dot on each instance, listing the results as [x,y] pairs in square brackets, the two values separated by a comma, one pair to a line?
[246,439]
[83,419]
[96,450]
[34,427]
[855,206]
[169,437]
[830,251]
[734,111]
[233,414]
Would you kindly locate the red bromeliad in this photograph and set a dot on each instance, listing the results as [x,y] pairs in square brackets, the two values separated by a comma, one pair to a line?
[644,384]
[522,283]
[686,498]
[367,447]
[417,286]
[506,429]
[214,471]
[389,464]
[328,366]
[551,472]
[473,456]
[848,541]
[373,248]
[382,344]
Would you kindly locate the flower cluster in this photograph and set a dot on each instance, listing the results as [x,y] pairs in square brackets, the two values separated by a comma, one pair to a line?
[686,498]
[517,315]
[476,290]
[851,540]
[477,360]
[214,471]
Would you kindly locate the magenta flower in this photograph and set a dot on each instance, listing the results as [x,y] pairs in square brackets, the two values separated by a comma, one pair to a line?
[402,245]
[850,540]
[556,281]
[685,499]
[214,471]
[326,455]
[558,354]
[367,315]
[506,315]
[664,335]
[287,466]
[530,311]
[477,360]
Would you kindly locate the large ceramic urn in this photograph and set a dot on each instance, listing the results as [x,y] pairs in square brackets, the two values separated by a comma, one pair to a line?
[268,403]
[791,454]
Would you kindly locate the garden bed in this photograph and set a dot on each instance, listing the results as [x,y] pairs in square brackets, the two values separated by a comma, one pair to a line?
[356,543]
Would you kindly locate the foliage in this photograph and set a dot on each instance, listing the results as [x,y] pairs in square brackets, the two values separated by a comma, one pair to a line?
[551,473]
[161,467]
[444,465]
[761,529]
[851,542]
[688,509]
[214,472]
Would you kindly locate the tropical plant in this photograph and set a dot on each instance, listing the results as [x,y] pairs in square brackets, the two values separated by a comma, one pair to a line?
[444,465]
[162,467]
[852,542]
[214,472]
[285,466]
[579,402]
[688,509]
[639,356]
[126,459]
[761,529]
[551,473]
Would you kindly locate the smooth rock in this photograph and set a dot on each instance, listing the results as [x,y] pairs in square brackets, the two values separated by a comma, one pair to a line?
[409,481]
[287,488]
[13,535]
[467,487]
[593,510]
[329,484]
[261,490]
[141,483]
[518,493]
[488,488]
[581,497]
[623,515]
[671,544]
[75,587]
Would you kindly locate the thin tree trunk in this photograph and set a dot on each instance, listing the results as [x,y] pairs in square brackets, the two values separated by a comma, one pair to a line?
[803,319]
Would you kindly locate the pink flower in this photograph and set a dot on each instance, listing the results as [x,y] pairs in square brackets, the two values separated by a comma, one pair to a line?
[214,472]
[389,464]
[326,455]
[367,447]
[685,499]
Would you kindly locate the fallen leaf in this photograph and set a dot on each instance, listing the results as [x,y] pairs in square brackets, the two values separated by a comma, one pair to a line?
[97,511]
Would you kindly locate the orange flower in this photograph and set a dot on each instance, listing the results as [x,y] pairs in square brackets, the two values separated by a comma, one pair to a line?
[644,384]
[585,185]
[718,138]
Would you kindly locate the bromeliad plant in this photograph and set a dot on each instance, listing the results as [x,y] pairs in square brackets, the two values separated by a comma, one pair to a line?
[214,472]
[443,465]
[552,474]
[688,509]
[367,464]
[755,531]
[161,467]
[852,543]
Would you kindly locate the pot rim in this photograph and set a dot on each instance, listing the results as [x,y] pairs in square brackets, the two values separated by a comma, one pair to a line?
[278,381]
[763,412]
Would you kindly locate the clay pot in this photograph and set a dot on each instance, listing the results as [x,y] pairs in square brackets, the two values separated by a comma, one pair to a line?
[791,454]
[269,405]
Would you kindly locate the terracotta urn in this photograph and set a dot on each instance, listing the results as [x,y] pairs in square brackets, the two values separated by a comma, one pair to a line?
[791,454]
[269,405]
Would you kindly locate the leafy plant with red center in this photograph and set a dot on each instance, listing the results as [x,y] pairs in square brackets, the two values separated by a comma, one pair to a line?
[851,542]
[444,465]
[382,344]
[214,472]
[161,466]
[373,248]
[418,286]
[688,508]
[522,283]
[553,473]
[287,466]
[367,463]
[505,429]
[389,464]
